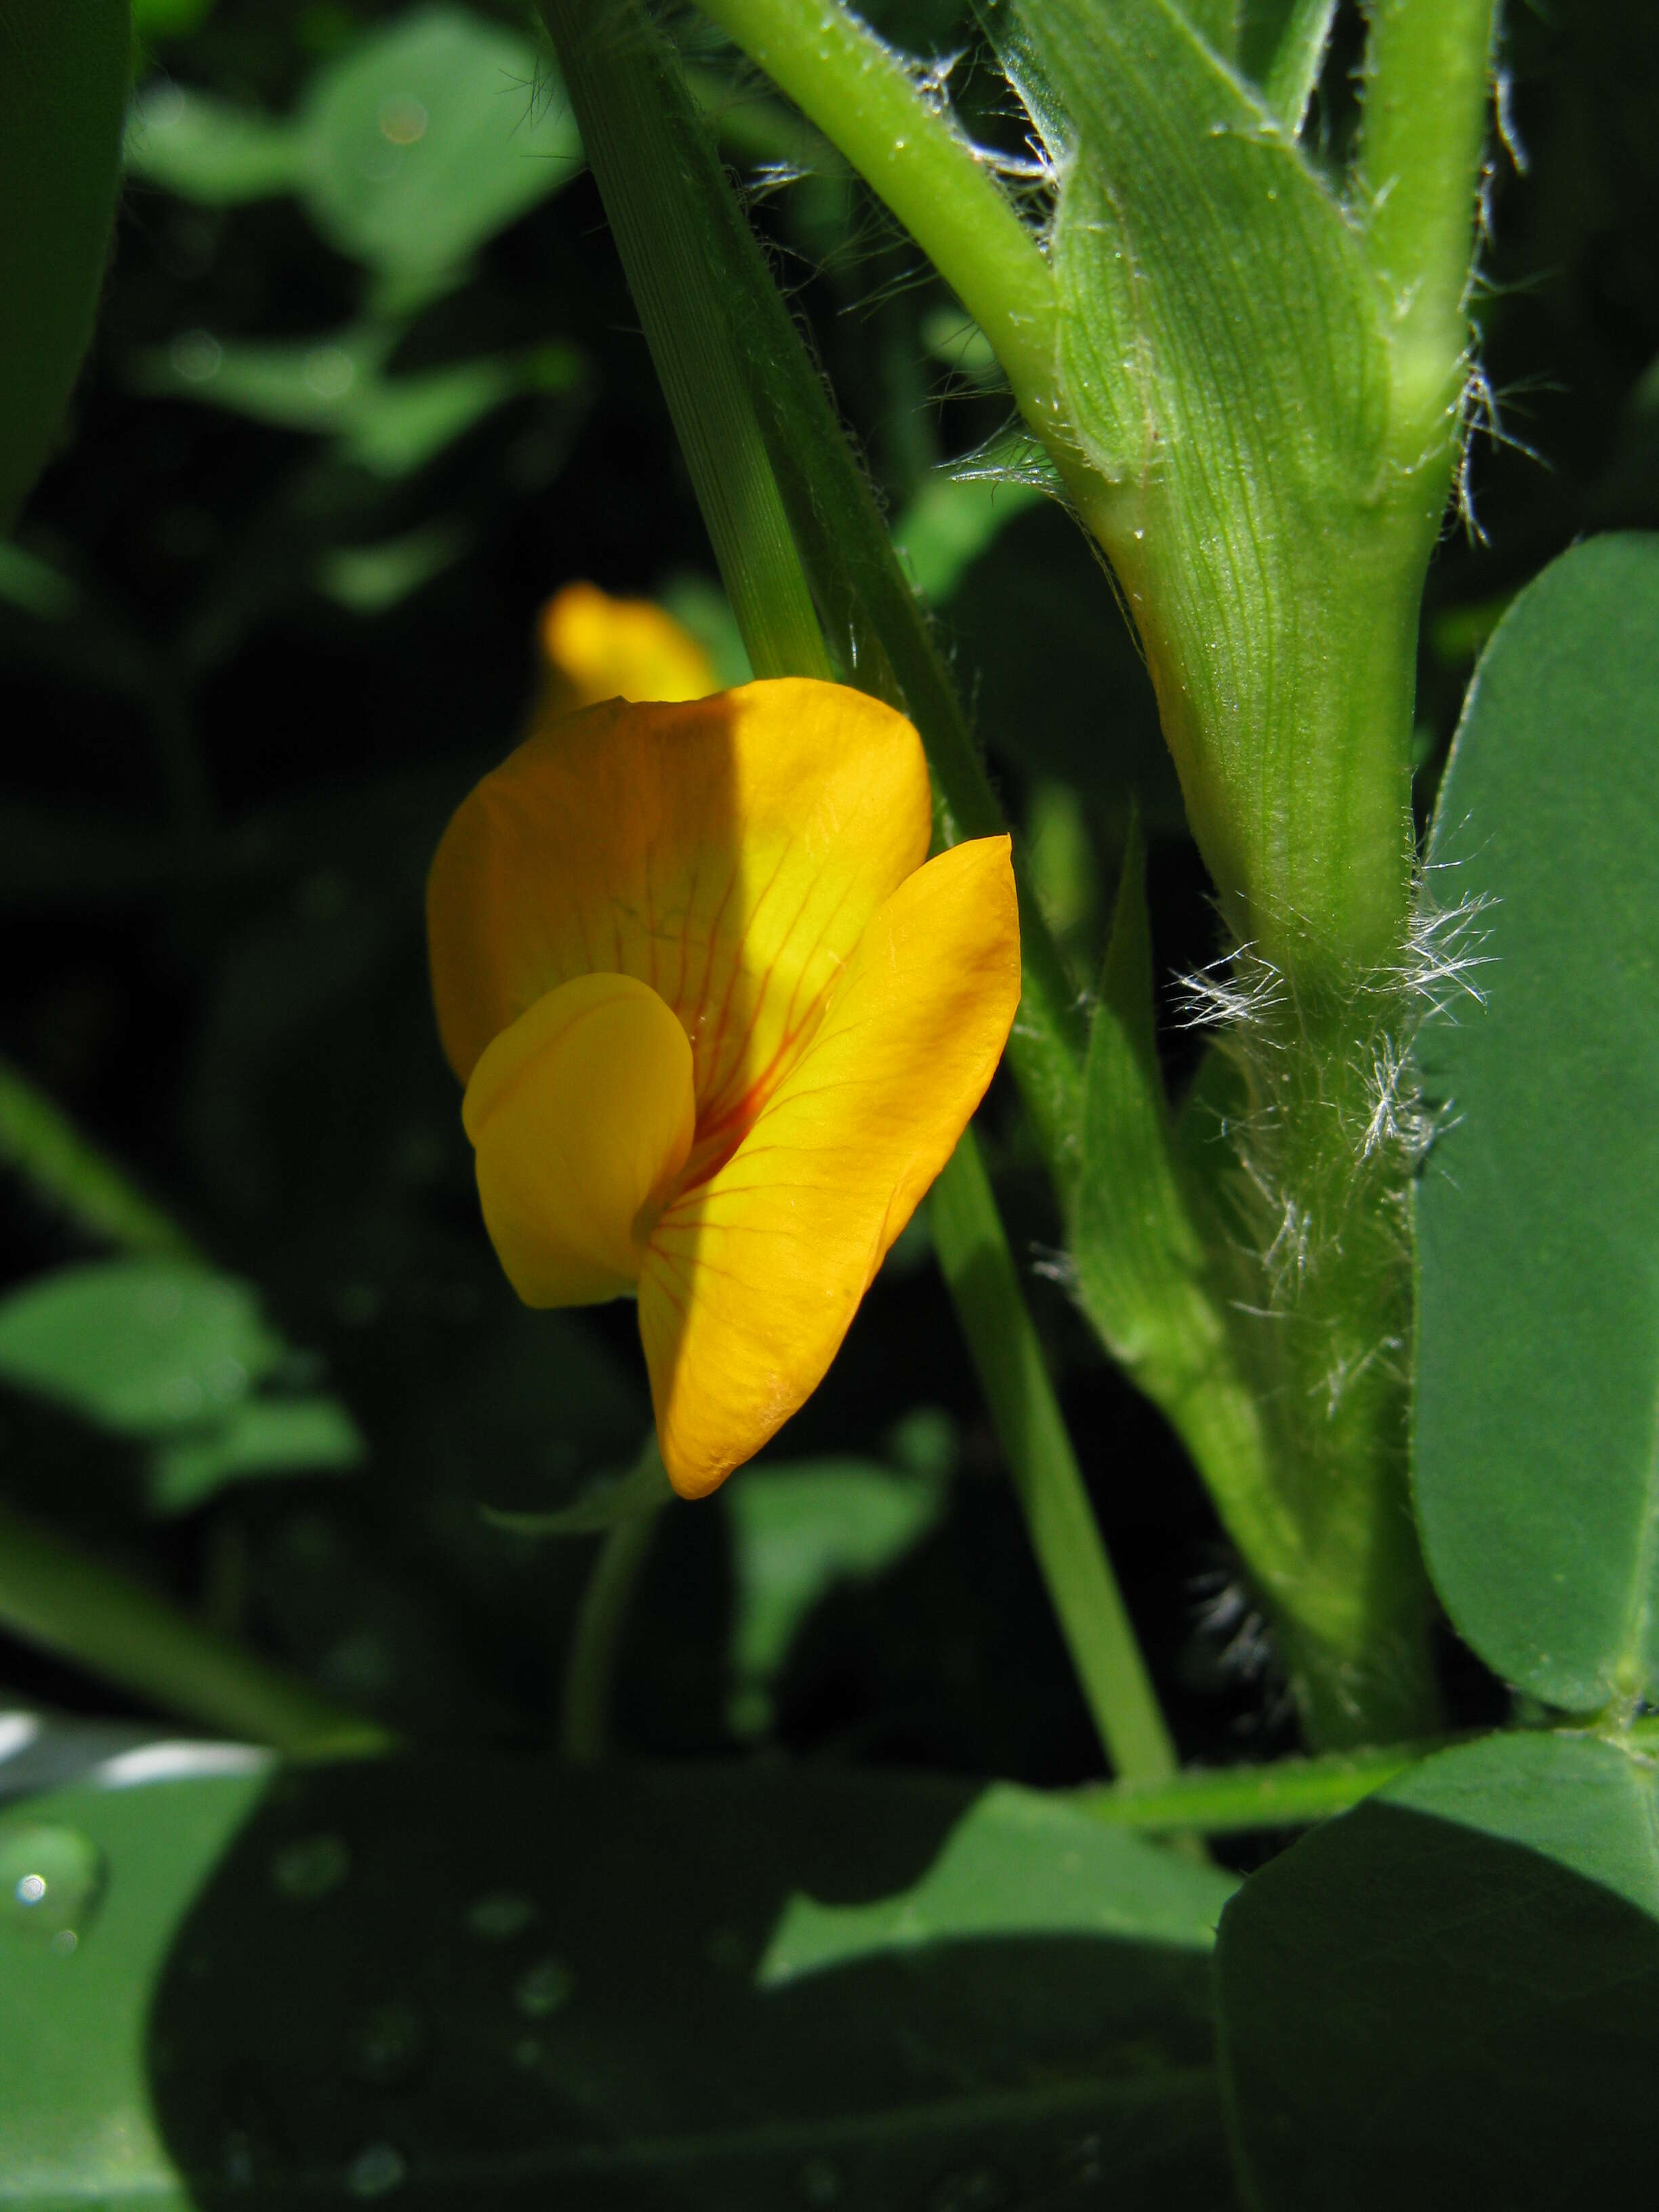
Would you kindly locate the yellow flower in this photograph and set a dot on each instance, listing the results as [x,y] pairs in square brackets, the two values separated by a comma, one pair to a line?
[720,1023]
[596,648]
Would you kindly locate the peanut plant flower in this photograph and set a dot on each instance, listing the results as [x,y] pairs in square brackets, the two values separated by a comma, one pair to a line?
[595,647]
[721,1023]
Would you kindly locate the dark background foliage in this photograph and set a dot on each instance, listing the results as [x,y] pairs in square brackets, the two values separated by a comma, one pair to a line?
[247,668]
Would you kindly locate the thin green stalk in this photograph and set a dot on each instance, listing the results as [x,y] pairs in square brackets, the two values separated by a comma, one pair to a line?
[1284,49]
[979,1269]
[1427,70]
[1288,1793]
[596,1640]
[56,1597]
[42,1143]
[909,149]
[610,67]
[1233,1800]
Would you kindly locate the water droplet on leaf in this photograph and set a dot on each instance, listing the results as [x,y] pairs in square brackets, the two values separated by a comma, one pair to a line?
[52,1881]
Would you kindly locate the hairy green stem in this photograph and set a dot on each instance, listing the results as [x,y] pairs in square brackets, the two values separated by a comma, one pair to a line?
[979,1269]
[596,1640]
[1321,1305]
[909,150]
[54,1596]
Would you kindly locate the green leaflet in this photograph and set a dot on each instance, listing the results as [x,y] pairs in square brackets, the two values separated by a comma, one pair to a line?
[422,142]
[1536,1469]
[1225,367]
[1447,1998]
[388,424]
[145,1347]
[800,1528]
[1018,1863]
[170,1354]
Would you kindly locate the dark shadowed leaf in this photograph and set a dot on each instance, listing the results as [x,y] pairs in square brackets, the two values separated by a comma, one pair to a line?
[486,1983]
[1448,1998]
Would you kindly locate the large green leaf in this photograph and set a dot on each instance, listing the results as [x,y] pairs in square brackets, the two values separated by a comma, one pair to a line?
[488,1982]
[1449,1997]
[1537,1463]
[119,1870]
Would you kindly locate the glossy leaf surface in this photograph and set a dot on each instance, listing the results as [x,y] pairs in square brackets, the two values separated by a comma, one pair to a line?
[1537,1465]
[584,2007]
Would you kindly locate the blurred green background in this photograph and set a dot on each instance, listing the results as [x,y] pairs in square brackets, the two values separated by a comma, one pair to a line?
[366,388]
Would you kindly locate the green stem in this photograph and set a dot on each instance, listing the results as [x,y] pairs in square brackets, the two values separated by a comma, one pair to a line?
[56,1597]
[1233,1800]
[979,1270]
[596,1640]
[1427,68]
[1284,50]
[42,1143]
[609,74]
[909,151]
